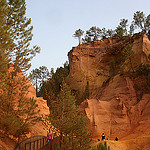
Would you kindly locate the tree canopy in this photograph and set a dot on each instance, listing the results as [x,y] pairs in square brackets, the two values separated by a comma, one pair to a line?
[17,111]
[140,22]
[69,121]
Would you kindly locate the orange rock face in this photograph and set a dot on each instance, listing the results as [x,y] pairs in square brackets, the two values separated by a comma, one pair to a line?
[113,107]
[38,128]
[91,61]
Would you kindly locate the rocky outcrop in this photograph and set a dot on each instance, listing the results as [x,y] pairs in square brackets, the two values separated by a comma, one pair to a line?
[117,113]
[91,61]
[114,107]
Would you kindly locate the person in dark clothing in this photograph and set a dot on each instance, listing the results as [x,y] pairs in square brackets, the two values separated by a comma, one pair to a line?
[116,139]
[103,137]
[108,138]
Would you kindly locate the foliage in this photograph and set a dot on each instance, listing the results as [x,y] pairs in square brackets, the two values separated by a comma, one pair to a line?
[128,57]
[16,108]
[38,76]
[100,146]
[78,33]
[66,117]
[93,33]
[51,87]
[140,21]
[21,34]
[17,112]
[86,93]
[81,96]
[112,67]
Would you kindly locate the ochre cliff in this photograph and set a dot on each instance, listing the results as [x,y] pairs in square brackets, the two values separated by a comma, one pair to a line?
[90,62]
[114,106]
[38,128]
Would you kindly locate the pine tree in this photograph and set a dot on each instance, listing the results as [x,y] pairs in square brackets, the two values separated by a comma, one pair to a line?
[78,33]
[17,112]
[21,33]
[128,56]
[35,78]
[66,117]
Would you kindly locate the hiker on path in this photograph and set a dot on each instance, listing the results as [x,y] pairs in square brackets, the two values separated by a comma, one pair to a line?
[49,136]
[116,139]
[103,137]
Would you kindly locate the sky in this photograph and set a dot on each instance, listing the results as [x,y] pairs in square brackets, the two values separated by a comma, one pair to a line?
[55,21]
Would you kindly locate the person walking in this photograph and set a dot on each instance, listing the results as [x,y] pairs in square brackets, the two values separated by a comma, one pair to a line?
[49,136]
[103,137]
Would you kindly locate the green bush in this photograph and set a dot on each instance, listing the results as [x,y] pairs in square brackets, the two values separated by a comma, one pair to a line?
[11,124]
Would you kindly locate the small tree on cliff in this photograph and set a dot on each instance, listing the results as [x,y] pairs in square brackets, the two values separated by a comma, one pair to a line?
[128,57]
[94,33]
[66,117]
[78,33]
[142,22]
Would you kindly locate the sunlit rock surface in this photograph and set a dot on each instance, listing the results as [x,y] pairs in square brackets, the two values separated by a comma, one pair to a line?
[113,107]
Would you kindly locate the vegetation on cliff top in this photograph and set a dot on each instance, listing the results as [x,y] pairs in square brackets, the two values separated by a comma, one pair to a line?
[140,22]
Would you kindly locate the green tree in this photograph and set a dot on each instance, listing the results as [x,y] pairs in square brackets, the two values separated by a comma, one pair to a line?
[66,117]
[104,33]
[6,43]
[15,36]
[139,19]
[131,31]
[78,33]
[21,33]
[20,112]
[119,31]
[44,73]
[110,33]
[128,56]
[142,22]
[52,85]
[123,24]
[93,33]
[35,76]
[112,70]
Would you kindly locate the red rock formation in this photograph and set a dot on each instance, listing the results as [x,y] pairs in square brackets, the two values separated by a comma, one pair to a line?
[114,107]
[90,62]
[38,128]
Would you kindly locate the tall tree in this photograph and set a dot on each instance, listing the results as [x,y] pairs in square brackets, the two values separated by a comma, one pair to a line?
[38,76]
[78,33]
[65,116]
[6,43]
[15,36]
[52,85]
[44,73]
[35,76]
[21,33]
